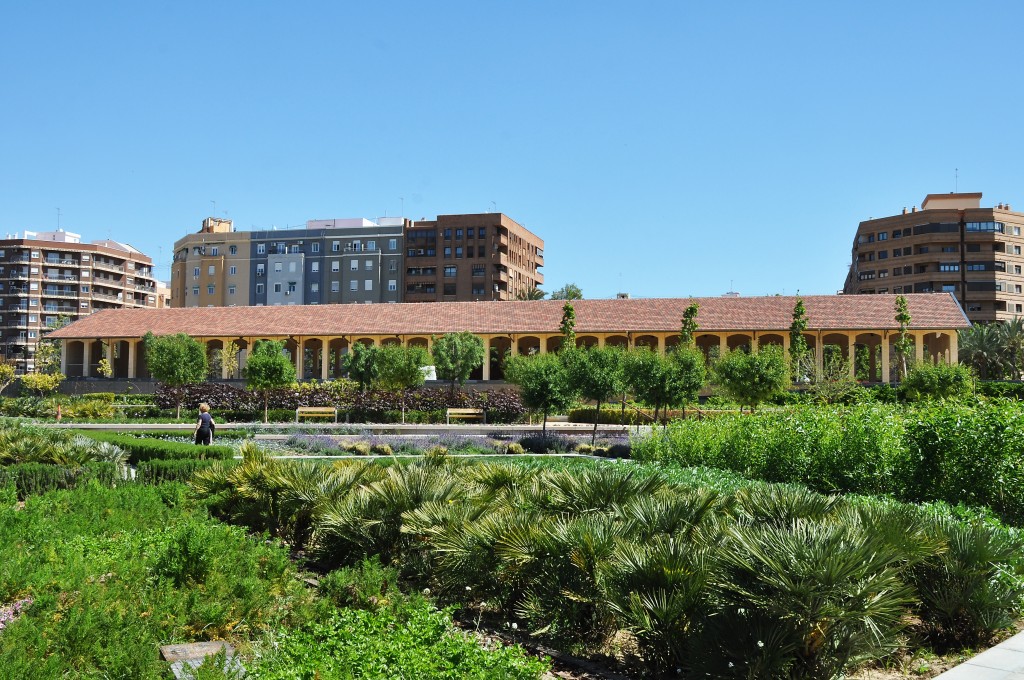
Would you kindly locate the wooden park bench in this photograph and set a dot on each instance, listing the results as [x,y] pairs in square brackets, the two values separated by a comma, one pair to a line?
[465,414]
[316,412]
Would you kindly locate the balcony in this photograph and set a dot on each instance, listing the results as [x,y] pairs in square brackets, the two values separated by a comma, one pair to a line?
[56,261]
[60,277]
[55,292]
[59,309]
[107,265]
[108,298]
[15,275]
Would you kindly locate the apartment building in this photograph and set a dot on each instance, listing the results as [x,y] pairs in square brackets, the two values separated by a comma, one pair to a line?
[457,258]
[339,261]
[952,244]
[47,275]
[327,262]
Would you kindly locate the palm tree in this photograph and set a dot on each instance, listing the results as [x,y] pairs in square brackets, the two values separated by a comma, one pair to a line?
[981,346]
[530,294]
[1012,336]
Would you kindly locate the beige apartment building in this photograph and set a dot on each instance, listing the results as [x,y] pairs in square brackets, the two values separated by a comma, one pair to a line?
[951,244]
[457,258]
[46,276]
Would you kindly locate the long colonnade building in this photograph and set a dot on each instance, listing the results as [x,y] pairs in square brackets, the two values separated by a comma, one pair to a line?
[316,336]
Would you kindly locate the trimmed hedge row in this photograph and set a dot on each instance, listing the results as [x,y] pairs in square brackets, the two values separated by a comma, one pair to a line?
[30,479]
[947,452]
[159,471]
[140,450]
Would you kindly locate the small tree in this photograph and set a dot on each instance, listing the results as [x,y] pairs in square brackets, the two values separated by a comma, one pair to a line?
[569,291]
[595,373]
[543,383]
[267,368]
[688,369]
[752,378]
[665,381]
[799,353]
[7,375]
[689,325]
[361,364]
[48,351]
[400,368]
[229,359]
[568,326]
[904,344]
[834,385]
[937,381]
[176,360]
[42,384]
[456,355]
[104,368]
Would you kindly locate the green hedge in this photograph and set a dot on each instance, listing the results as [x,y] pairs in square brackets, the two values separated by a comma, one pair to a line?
[160,471]
[1006,390]
[30,479]
[149,449]
[945,452]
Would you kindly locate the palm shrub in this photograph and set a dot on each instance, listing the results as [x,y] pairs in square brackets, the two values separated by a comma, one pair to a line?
[966,593]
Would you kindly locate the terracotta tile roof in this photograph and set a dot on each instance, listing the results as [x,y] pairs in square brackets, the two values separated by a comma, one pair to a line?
[824,312]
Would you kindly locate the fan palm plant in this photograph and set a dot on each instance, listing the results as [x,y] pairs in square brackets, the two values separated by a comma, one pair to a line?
[981,346]
[1011,334]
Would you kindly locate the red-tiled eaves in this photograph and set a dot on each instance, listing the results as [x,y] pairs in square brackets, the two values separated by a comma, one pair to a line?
[935,311]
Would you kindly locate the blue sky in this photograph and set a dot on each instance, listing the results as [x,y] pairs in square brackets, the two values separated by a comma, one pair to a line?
[659,148]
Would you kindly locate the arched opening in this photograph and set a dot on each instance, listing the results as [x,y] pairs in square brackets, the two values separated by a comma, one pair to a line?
[214,358]
[710,345]
[648,341]
[553,343]
[497,349]
[74,358]
[737,341]
[620,341]
[867,357]
[585,341]
[528,344]
[770,339]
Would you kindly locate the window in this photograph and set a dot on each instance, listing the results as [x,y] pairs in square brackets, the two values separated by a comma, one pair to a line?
[974,247]
[353,285]
[195,272]
[948,288]
[31,334]
[882,273]
[897,233]
[479,251]
[292,266]
[335,265]
[478,289]
[32,318]
[85,289]
[259,270]
[295,249]
[335,286]
[449,289]
[278,266]
[393,244]
[907,251]
[232,270]
[368,265]
[447,234]
[214,250]
[314,247]
[233,250]
[368,284]
[1016,250]
[353,264]
[483,232]
[478,270]
[950,249]
[314,267]
[458,233]
[392,266]
[985,226]
[921,250]
[261,248]
[209,289]
[1016,288]
[314,287]
[1018,308]
[458,252]
[291,286]
[974,307]
[211,270]
[231,290]
[450,271]
[883,254]
[335,246]
[371,245]
[259,289]
[949,267]
[1016,269]
[277,287]
[392,285]
[447,252]
[883,235]
[195,290]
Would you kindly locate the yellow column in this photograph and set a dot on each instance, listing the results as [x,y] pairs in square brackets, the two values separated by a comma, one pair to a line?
[131,359]
[86,357]
[600,341]
[486,368]
[723,344]
[298,358]
[753,342]
[64,357]
[543,340]
[662,344]
[885,360]
[325,358]
[850,351]
[918,348]
[819,356]
[224,358]
[954,349]
[785,343]
[513,346]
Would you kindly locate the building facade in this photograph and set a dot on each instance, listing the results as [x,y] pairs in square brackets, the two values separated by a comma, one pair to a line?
[456,258]
[317,337]
[343,261]
[50,277]
[951,244]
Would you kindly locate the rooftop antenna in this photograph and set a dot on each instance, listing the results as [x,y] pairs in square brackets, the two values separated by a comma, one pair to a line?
[402,199]
[58,219]
[214,213]
[494,207]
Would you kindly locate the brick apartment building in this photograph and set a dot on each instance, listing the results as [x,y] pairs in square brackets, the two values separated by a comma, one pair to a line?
[47,275]
[951,244]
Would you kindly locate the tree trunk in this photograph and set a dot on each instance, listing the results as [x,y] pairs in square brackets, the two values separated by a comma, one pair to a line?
[177,416]
[597,418]
[266,407]
[544,425]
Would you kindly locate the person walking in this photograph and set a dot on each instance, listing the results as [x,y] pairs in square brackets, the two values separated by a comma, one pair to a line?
[204,426]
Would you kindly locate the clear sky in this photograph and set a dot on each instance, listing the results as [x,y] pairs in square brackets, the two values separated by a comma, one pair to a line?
[659,148]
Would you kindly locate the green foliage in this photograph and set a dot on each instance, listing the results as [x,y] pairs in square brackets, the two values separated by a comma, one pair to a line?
[568,327]
[6,375]
[663,381]
[937,381]
[267,368]
[399,368]
[41,384]
[799,353]
[596,374]
[158,471]
[904,343]
[456,355]
[752,378]
[32,479]
[543,382]
[569,291]
[361,364]
[114,573]
[143,449]
[688,325]
[175,359]
[981,347]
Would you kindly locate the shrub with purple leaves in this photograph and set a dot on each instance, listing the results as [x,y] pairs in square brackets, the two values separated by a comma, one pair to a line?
[10,612]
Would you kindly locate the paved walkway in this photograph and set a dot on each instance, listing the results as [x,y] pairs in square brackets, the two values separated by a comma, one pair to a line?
[1005,661]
